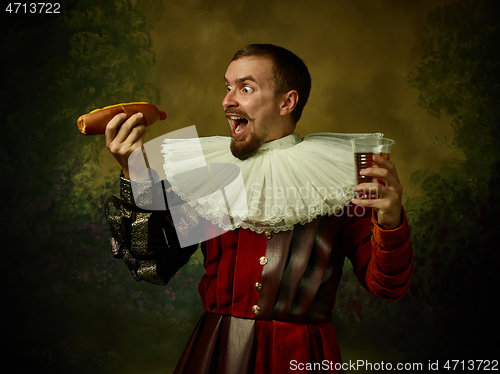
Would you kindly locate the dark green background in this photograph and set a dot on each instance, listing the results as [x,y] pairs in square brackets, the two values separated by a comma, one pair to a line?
[423,72]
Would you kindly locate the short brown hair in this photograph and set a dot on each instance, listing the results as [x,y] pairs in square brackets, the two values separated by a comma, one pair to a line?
[289,72]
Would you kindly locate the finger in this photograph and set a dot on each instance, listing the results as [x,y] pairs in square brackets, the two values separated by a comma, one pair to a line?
[135,136]
[367,203]
[370,191]
[382,190]
[393,192]
[388,177]
[385,163]
[112,127]
[385,200]
[125,129]
[126,141]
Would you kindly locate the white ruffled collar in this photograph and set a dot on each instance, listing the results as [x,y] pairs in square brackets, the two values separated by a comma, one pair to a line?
[282,143]
[288,181]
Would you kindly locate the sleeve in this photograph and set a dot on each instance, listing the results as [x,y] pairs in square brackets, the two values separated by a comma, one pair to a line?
[147,240]
[382,259]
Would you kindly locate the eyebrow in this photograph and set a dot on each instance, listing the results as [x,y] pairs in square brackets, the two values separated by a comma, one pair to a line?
[243,79]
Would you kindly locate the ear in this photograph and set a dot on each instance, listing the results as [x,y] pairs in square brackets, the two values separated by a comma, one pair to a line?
[290,100]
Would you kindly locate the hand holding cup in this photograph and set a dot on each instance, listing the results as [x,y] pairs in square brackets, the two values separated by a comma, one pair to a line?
[378,183]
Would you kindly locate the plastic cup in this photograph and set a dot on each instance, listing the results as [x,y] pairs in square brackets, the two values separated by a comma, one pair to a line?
[364,149]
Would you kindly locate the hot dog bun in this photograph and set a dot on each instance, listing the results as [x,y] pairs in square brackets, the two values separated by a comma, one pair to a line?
[94,123]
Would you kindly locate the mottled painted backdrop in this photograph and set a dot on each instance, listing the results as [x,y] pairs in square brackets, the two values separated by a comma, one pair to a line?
[424,72]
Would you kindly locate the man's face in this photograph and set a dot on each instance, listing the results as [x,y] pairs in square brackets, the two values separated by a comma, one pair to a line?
[252,109]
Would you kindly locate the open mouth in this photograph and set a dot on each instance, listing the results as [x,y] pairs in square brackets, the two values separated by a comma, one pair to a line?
[238,125]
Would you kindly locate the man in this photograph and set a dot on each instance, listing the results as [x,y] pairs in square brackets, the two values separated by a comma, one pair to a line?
[270,282]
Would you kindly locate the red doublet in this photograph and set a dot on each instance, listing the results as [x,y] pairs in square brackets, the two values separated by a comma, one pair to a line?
[269,297]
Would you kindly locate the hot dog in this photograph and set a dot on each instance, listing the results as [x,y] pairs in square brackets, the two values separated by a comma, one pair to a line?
[94,123]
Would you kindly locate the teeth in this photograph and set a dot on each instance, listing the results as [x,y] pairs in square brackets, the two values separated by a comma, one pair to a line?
[240,126]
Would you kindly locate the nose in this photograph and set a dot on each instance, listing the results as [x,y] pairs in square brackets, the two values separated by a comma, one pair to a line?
[229,100]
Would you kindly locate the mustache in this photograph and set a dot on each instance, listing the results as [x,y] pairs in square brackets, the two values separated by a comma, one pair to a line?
[237,112]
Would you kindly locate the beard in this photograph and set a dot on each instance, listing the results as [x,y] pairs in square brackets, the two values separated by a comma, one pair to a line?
[246,149]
